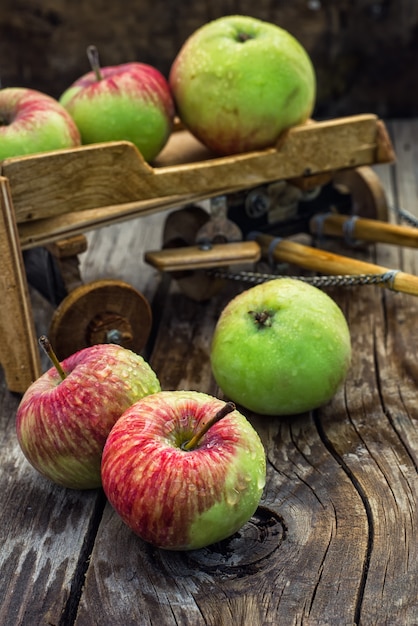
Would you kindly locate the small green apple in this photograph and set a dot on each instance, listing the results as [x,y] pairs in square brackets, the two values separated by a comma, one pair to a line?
[130,101]
[281,347]
[238,82]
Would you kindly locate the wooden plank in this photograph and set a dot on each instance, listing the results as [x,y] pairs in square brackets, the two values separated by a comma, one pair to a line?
[44,531]
[45,231]
[378,443]
[393,448]
[103,175]
[19,356]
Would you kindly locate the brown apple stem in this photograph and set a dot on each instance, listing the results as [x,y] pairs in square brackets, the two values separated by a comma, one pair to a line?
[46,345]
[227,408]
[93,57]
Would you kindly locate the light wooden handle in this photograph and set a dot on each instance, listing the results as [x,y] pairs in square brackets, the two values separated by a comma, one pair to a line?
[198,257]
[362,229]
[328,263]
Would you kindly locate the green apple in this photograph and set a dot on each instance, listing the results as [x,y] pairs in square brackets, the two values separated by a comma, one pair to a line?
[238,82]
[280,348]
[130,101]
[32,122]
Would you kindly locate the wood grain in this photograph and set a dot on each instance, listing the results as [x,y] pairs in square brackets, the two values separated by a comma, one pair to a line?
[18,352]
[115,173]
[334,539]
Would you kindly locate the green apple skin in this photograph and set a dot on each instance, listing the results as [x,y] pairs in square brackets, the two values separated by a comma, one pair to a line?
[32,122]
[239,82]
[131,102]
[281,348]
[178,499]
[62,425]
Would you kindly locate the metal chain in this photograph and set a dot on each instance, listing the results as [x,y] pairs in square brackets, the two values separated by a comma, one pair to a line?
[406,216]
[339,280]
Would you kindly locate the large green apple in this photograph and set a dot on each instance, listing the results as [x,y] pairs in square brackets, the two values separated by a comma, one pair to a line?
[238,82]
[280,348]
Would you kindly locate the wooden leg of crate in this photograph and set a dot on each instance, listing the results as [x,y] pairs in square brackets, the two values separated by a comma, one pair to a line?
[19,353]
[66,253]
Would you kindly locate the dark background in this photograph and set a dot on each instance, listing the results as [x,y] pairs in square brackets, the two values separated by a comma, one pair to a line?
[365,52]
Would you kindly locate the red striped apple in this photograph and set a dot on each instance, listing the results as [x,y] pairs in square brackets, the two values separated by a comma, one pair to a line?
[238,82]
[281,347]
[183,469]
[131,101]
[65,416]
[32,122]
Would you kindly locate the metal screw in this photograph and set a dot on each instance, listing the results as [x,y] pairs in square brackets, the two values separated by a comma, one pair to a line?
[114,336]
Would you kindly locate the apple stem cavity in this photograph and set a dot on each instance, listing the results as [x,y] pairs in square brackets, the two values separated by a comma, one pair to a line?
[46,345]
[93,57]
[261,318]
[194,441]
[242,37]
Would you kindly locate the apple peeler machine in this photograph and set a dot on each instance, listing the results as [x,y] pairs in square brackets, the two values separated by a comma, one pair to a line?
[317,182]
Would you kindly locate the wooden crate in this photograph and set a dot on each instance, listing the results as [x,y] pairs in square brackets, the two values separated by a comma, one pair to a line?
[51,196]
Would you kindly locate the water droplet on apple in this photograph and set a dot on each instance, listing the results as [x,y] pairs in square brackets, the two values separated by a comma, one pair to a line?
[233,497]
[261,481]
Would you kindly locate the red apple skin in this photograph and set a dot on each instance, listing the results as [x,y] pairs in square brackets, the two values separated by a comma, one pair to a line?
[62,425]
[32,122]
[132,102]
[177,499]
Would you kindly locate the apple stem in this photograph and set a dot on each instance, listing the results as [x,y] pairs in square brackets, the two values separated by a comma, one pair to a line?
[261,318]
[46,345]
[93,57]
[193,442]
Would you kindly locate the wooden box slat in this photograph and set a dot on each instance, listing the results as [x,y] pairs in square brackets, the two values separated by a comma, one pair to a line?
[101,175]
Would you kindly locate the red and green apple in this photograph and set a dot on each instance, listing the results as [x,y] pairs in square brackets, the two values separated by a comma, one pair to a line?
[280,348]
[131,101]
[65,416]
[183,469]
[32,122]
[239,82]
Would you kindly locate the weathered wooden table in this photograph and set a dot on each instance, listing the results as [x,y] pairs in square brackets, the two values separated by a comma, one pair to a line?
[334,540]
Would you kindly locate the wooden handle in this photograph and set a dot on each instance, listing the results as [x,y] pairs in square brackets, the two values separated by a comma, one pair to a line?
[329,263]
[353,227]
[196,257]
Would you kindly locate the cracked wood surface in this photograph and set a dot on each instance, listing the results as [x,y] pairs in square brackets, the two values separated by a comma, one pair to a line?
[334,538]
